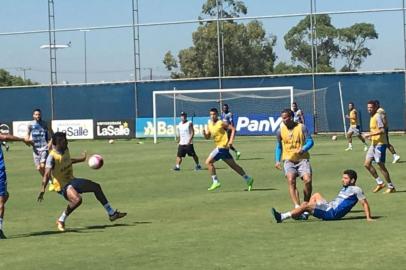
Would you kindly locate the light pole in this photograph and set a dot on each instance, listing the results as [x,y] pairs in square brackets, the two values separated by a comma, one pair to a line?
[23,70]
[85,53]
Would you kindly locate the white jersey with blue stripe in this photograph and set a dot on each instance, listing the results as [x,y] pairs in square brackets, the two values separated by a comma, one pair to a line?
[38,132]
[227,117]
[346,199]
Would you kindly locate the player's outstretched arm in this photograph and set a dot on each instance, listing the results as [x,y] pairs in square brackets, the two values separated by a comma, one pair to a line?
[367,210]
[81,159]
[44,184]
[11,138]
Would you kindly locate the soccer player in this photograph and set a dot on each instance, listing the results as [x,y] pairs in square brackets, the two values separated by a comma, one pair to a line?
[346,199]
[382,112]
[4,195]
[354,127]
[377,150]
[186,134]
[59,165]
[227,116]
[218,131]
[298,113]
[40,135]
[292,147]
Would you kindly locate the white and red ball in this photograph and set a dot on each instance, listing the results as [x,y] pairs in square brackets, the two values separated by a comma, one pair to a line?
[96,162]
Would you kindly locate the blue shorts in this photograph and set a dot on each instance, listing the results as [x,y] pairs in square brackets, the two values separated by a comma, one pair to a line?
[377,153]
[221,153]
[3,183]
[325,211]
[76,183]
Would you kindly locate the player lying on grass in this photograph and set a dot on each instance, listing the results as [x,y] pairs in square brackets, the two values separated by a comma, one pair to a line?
[59,165]
[346,199]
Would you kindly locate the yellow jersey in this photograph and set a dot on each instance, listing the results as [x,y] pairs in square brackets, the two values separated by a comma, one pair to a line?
[382,112]
[292,141]
[61,164]
[353,118]
[376,123]
[218,133]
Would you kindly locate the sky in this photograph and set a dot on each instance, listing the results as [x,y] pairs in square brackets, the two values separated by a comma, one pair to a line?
[110,52]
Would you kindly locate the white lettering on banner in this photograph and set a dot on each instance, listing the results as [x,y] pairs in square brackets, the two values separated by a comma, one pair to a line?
[258,125]
[164,129]
[113,131]
[74,129]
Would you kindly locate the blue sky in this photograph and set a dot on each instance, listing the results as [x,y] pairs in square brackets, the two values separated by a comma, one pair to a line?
[109,52]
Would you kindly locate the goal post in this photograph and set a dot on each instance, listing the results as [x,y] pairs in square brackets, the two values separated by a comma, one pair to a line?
[215,97]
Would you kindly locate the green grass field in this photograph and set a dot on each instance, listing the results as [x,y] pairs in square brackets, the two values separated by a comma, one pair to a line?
[173,222]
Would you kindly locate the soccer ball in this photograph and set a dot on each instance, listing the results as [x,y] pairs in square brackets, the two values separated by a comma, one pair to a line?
[96,162]
[111,141]
[334,138]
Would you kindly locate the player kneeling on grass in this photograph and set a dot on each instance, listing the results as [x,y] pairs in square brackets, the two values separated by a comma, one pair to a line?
[59,165]
[346,199]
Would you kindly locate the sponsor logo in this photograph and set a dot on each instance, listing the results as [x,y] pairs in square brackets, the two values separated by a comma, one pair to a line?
[74,129]
[256,124]
[114,129]
[5,129]
[20,128]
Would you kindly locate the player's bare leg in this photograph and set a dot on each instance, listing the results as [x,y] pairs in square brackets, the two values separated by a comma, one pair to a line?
[3,200]
[379,183]
[293,192]
[196,159]
[349,137]
[212,171]
[385,173]
[238,169]
[178,162]
[307,189]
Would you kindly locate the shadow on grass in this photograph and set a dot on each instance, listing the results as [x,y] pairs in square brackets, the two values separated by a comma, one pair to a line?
[322,154]
[257,158]
[357,217]
[85,229]
[262,189]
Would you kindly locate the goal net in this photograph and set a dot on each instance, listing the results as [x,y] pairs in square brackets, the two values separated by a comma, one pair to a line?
[255,111]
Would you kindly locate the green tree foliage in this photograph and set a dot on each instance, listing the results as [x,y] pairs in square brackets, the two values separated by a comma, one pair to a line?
[6,79]
[352,44]
[247,48]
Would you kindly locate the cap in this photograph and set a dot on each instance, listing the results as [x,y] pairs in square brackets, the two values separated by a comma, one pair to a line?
[183,113]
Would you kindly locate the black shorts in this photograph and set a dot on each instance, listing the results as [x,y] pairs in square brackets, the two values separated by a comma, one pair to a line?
[186,149]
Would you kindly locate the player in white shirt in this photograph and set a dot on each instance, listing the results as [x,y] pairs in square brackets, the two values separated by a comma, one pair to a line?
[185,136]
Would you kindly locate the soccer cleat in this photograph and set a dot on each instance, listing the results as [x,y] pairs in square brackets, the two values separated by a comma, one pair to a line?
[117,215]
[276,215]
[176,169]
[395,158]
[250,182]
[198,168]
[214,186]
[51,186]
[389,190]
[348,149]
[60,225]
[237,155]
[365,148]
[378,188]
[2,236]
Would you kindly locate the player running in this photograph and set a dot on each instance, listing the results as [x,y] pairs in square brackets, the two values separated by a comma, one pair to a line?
[227,116]
[218,131]
[377,150]
[59,166]
[382,112]
[354,127]
[298,113]
[39,133]
[4,195]
[346,199]
[292,147]
[186,133]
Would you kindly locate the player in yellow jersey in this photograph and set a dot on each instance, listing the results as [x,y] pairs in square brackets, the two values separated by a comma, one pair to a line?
[382,112]
[292,147]
[354,127]
[218,132]
[377,150]
[59,166]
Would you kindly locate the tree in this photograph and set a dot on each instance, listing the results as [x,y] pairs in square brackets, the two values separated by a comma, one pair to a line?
[298,42]
[352,44]
[247,48]
[6,79]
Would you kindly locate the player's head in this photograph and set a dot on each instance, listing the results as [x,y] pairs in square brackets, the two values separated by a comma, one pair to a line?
[351,106]
[36,114]
[294,106]
[287,118]
[349,177]
[183,116]
[378,105]
[225,108]
[372,107]
[214,113]
[59,141]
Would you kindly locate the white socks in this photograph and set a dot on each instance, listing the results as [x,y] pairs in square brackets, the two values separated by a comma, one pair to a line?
[214,179]
[286,215]
[109,209]
[379,181]
[63,217]
[1,224]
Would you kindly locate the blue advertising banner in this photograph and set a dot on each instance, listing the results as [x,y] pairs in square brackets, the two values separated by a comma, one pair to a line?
[251,125]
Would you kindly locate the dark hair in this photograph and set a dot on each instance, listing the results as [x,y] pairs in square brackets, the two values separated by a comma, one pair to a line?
[214,110]
[377,102]
[372,102]
[58,137]
[36,110]
[351,173]
[352,103]
[294,102]
[288,111]
[225,105]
